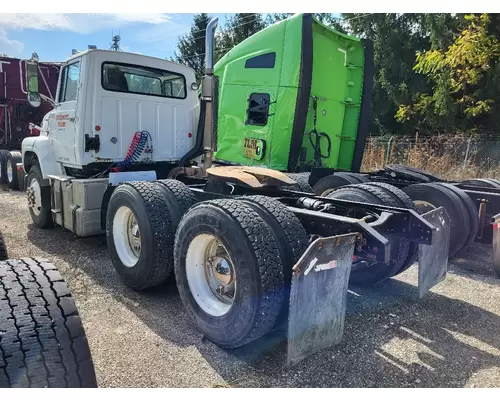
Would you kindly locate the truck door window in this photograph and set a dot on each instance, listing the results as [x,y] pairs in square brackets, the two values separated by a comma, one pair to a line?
[263,61]
[70,79]
[127,78]
[258,109]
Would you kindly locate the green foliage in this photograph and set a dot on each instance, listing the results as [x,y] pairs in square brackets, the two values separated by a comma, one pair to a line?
[459,74]
[238,28]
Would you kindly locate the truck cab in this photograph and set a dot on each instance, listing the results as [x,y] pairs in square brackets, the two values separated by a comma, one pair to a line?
[103,99]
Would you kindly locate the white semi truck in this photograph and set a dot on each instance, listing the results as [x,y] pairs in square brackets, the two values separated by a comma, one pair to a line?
[247,254]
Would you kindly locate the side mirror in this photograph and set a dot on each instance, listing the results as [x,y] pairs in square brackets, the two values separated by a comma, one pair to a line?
[32,77]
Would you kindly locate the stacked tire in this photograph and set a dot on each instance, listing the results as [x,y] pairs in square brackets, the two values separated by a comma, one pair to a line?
[42,339]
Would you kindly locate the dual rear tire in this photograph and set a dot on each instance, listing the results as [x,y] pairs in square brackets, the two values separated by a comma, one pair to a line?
[232,259]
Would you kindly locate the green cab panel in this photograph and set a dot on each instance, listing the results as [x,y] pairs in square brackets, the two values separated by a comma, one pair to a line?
[289,97]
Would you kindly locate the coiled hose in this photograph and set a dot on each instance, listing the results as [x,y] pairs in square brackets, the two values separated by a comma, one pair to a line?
[139,142]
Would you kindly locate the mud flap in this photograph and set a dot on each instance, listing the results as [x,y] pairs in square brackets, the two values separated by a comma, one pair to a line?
[318,296]
[496,243]
[433,258]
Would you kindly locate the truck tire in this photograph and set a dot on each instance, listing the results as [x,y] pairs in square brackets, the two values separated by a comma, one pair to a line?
[13,157]
[404,201]
[178,197]
[3,167]
[431,177]
[39,202]
[140,234]
[400,247]
[401,172]
[291,236]
[239,297]
[42,342]
[472,211]
[3,248]
[489,183]
[329,183]
[302,179]
[438,196]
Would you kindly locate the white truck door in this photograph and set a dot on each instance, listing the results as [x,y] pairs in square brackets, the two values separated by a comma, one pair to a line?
[62,121]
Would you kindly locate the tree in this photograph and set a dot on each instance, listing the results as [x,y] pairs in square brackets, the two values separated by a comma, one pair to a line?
[238,28]
[464,80]
[191,46]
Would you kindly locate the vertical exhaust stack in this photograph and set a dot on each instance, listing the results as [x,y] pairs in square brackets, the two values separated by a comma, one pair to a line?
[207,90]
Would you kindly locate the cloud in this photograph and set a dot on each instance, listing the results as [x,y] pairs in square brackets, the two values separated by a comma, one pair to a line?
[8,46]
[80,23]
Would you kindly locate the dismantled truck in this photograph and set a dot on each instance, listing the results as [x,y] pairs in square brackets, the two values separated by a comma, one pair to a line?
[131,151]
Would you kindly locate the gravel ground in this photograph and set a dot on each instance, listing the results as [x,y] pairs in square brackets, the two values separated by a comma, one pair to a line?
[392,338]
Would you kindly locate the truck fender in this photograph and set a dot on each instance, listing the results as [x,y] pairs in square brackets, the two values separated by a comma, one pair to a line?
[39,150]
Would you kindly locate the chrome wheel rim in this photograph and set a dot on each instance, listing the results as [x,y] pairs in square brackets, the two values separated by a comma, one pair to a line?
[127,236]
[9,172]
[211,275]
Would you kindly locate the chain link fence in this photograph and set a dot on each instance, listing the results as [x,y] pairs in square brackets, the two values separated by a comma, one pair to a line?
[450,156]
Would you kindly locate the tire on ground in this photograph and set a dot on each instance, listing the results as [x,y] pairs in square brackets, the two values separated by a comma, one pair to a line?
[3,167]
[144,202]
[43,342]
[440,196]
[328,183]
[302,179]
[289,233]
[254,254]
[13,157]
[3,248]
[400,247]
[472,212]
[44,218]
[404,202]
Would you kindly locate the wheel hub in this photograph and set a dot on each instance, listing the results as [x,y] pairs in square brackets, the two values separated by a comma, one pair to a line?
[134,235]
[211,275]
[33,195]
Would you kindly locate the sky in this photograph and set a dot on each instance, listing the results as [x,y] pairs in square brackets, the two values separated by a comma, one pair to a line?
[53,36]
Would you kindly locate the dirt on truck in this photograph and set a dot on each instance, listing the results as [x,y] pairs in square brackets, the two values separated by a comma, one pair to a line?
[221,191]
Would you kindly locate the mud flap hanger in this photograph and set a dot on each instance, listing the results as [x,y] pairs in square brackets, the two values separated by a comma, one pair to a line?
[320,280]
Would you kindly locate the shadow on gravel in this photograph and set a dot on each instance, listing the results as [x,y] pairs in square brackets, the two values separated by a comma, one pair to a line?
[450,340]
[475,261]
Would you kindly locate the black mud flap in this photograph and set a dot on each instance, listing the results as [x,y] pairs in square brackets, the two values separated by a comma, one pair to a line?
[433,258]
[496,243]
[318,296]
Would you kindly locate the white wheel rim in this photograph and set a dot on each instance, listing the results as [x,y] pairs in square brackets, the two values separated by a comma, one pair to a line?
[9,172]
[34,196]
[127,236]
[210,274]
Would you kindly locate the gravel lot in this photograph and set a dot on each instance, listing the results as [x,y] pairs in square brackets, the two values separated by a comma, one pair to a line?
[392,338]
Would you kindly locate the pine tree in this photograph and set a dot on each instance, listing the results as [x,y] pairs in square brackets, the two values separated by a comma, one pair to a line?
[191,46]
[240,27]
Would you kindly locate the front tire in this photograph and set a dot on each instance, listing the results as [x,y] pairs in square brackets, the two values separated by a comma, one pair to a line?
[39,199]
[229,272]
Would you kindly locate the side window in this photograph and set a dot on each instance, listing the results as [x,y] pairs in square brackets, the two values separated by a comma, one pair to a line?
[69,82]
[258,109]
[263,61]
